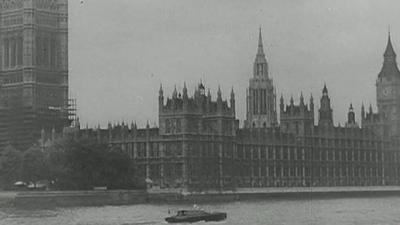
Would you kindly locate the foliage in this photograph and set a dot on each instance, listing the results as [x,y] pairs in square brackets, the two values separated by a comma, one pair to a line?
[69,164]
[10,166]
[85,164]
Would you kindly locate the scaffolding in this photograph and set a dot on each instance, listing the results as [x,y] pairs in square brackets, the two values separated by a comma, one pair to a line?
[72,117]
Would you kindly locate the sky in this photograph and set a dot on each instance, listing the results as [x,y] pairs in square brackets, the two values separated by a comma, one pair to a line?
[120,51]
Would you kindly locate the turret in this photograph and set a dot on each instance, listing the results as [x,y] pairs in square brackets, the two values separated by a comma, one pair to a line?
[281,104]
[160,99]
[219,99]
[325,111]
[351,118]
[175,93]
[185,97]
[232,101]
[301,99]
[362,112]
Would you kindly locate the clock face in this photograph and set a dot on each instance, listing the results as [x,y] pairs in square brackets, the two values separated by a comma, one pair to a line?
[386,91]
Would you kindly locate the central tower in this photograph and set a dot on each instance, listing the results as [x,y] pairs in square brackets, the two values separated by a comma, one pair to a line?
[261,97]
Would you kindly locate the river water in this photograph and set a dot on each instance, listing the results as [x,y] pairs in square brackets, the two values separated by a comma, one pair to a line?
[363,211]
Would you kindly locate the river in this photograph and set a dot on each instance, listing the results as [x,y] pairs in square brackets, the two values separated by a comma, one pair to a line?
[365,211]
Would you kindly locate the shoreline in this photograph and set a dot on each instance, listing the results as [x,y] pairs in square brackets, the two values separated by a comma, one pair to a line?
[52,199]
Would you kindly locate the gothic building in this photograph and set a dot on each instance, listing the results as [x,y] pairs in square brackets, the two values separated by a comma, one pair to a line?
[261,97]
[198,144]
[33,69]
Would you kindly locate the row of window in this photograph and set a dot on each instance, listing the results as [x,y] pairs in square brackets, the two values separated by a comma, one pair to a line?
[212,149]
[285,153]
[299,171]
[12,20]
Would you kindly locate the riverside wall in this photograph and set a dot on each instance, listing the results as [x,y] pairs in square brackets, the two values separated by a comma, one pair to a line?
[43,199]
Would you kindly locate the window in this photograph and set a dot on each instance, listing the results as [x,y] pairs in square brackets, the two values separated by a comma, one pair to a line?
[6,53]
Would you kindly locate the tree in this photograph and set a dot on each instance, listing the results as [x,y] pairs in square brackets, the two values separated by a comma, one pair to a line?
[34,165]
[10,166]
[84,164]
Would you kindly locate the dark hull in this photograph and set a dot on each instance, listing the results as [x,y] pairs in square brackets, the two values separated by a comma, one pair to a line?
[192,219]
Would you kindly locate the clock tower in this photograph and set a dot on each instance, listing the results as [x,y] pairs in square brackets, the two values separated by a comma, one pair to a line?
[388,93]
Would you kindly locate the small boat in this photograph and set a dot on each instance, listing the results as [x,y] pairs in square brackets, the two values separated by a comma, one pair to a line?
[195,216]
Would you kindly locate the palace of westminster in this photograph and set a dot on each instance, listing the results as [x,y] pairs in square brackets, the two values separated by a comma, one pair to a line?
[199,144]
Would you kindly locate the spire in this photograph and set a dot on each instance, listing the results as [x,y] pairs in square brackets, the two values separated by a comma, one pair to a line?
[301,99]
[184,91]
[260,50]
[389,68]
[260,67]
[219,93]
[389,48]
[325,90]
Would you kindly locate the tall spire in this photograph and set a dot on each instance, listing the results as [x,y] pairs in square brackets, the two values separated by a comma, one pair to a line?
[260,68]
[260,50]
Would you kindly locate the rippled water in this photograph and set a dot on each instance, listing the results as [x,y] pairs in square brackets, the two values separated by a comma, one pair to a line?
[289,212]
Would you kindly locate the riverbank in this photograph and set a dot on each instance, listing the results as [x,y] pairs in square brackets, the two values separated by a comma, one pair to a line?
[49,199]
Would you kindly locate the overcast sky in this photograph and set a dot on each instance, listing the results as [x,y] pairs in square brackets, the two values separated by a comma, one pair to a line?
[121,50]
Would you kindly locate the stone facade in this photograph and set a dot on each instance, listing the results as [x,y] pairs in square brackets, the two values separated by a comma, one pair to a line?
[33,69]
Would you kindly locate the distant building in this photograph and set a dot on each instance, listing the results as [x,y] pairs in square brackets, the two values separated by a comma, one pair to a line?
[198,144]
[33,69]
